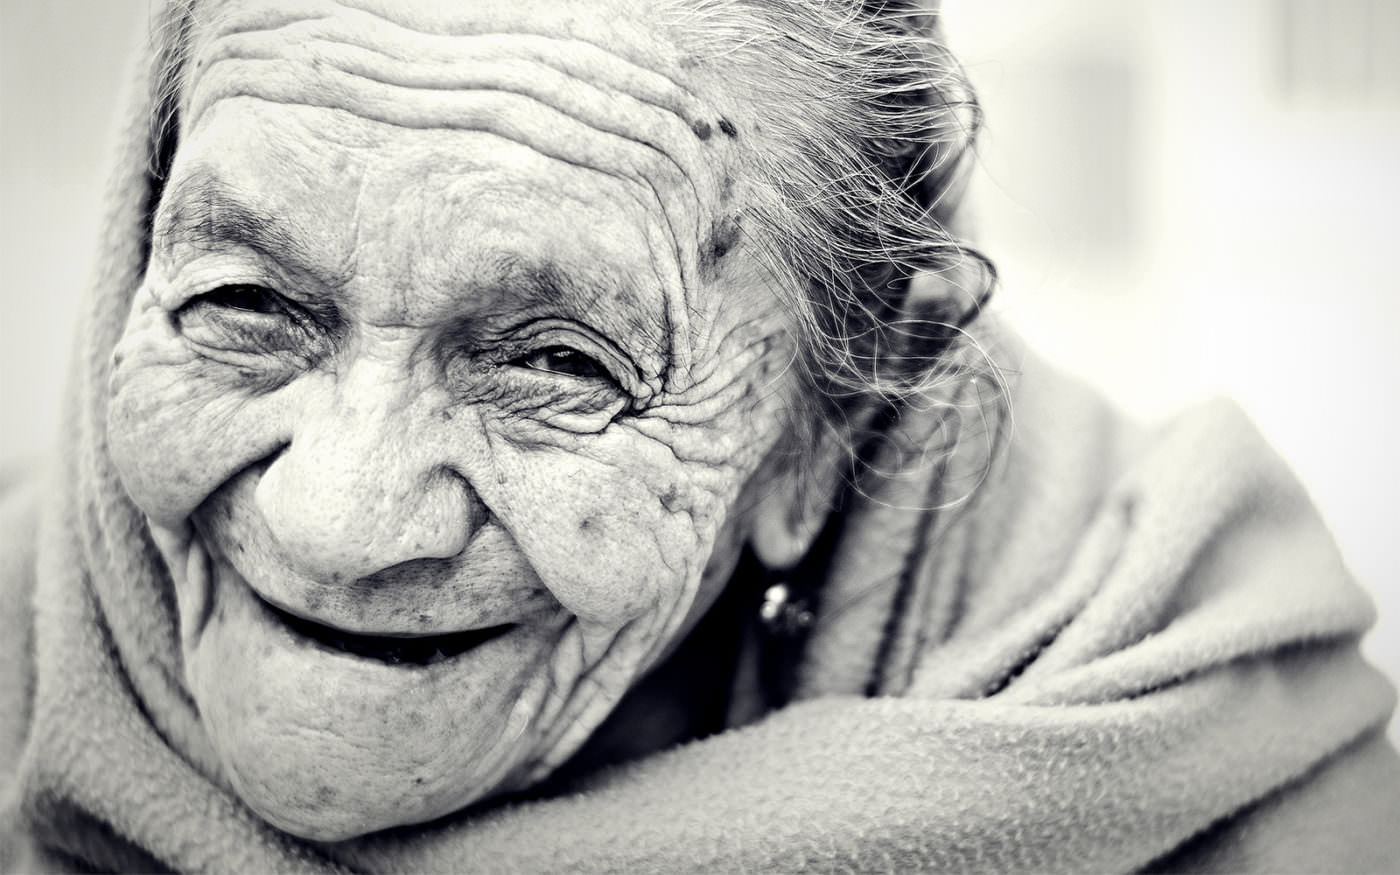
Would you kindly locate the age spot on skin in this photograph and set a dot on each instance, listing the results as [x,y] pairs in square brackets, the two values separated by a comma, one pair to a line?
[726,188]
[701,129]
[670,499]
[723,239]
[728,127]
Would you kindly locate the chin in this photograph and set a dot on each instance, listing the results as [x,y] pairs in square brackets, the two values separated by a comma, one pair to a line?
[329,737]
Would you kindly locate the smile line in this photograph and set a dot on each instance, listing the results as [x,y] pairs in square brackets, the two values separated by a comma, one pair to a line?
[395,650]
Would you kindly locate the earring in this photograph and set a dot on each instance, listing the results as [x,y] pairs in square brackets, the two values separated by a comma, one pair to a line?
[780,613]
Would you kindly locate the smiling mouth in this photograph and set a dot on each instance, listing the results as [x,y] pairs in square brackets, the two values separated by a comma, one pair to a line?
[395,650]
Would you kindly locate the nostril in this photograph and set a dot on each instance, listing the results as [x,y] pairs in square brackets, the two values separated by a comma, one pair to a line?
[340,517]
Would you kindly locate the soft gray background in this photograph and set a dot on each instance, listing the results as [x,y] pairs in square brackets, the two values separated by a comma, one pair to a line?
[1183,197]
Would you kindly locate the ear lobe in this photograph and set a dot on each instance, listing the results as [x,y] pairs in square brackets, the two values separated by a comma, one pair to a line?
[781,532]
[788,517]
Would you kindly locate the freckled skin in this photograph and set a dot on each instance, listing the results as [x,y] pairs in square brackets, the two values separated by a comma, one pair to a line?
[398,456]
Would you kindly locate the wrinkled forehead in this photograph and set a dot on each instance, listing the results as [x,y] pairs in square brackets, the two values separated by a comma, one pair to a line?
[610,64]
[591,86]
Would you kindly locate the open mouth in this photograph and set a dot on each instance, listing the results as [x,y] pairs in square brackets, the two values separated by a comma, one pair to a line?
[424,650]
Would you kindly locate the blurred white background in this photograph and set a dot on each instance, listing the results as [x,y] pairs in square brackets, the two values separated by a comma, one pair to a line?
[1197,197]
[1183,198]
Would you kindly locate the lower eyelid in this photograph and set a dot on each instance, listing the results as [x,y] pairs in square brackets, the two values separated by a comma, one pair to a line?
[557,393]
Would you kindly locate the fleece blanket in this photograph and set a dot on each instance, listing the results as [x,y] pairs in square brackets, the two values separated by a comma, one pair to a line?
[1096,648]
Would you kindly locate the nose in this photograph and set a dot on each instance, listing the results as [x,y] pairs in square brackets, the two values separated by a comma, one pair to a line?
[363,487]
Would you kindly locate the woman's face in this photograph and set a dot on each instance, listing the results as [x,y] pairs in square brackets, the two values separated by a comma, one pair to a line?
[440,394]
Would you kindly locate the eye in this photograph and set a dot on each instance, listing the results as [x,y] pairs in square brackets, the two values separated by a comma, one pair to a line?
[566,361]
[248,318]
[249,298]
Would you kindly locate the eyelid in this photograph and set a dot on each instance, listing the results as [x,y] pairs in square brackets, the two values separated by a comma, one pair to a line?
[251,331]
[233,264]
[231,319]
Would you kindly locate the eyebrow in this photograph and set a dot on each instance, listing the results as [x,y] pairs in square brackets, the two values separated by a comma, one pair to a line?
[206,211]
[547,284]
[551,285]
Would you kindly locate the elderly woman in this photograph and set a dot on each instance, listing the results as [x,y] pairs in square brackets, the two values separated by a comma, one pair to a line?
[532,436]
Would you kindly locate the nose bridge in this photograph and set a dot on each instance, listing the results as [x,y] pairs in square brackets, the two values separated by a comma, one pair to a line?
[364,485]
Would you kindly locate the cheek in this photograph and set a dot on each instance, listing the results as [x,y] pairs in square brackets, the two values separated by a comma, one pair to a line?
[622,530]
[599,535]
[620,533]
[178,426]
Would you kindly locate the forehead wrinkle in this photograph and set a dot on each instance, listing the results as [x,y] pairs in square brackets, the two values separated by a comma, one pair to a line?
[633,36]
[585,56]
[381,49]
[471,91]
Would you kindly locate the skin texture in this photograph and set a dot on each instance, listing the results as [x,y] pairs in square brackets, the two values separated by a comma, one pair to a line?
[430,342]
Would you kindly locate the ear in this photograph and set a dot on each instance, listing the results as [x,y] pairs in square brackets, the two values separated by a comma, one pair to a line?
[794,507]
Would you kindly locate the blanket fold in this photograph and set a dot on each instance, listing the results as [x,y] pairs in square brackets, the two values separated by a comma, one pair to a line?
[1090,648]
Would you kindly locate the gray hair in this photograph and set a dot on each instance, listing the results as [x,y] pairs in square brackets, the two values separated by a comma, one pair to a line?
[871,122]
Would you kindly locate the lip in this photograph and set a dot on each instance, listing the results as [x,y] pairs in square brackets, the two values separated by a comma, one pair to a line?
[290,714]
[391,649]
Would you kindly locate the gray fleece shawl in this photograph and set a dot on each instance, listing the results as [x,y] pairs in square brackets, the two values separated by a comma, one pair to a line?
[1129,650]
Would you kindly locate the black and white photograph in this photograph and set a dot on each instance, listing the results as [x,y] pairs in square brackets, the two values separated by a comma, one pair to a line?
[665,436]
